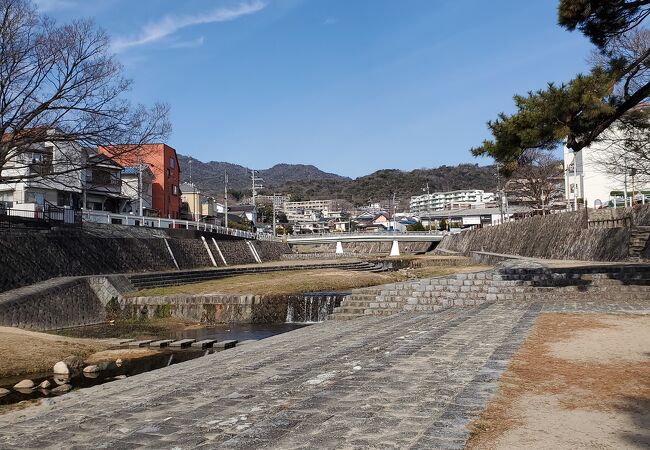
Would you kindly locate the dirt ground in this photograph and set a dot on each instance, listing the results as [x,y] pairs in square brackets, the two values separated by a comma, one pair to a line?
[580,381]
[23,351]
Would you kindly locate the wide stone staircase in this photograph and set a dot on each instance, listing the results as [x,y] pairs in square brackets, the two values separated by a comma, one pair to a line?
[518,281]
[160,279]
[638,240]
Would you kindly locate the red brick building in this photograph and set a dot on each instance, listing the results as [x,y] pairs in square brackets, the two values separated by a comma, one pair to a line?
[163,162]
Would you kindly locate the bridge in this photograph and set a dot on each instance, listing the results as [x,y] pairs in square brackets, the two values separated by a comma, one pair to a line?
[392,236]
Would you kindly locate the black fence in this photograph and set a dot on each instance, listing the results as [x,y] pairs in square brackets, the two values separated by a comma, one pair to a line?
[44,217]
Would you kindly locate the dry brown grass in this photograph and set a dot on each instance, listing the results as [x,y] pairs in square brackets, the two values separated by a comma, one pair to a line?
[600,386]
[23,352]
[282,283]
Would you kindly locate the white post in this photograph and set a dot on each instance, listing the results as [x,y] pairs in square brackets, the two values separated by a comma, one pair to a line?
[339,248]
[394,250]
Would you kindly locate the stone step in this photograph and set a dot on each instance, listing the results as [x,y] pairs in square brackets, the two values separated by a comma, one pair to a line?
[226,344]
[182,343]
[142,343]
[161,343]
[205,343]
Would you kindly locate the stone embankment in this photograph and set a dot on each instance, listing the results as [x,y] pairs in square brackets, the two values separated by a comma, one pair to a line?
[76,301]
[600,235]
[521,281]
[365,248]
[28,257]
[412,380]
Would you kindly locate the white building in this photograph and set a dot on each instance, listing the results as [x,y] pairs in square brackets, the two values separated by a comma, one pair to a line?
[45,173]
[135,186]
[600,175]
[423,204]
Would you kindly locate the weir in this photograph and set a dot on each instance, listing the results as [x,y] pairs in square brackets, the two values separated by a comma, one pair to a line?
[313,307]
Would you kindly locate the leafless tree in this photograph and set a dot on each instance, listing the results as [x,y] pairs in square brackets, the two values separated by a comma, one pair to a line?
[537,181]
[61,86]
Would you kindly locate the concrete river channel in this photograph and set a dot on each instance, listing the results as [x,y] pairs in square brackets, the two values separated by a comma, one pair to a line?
[314,308]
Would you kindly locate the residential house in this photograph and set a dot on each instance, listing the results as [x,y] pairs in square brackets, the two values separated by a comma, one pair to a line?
[137,187]
[102,184]
[48,172]
[191,199]
[163,163]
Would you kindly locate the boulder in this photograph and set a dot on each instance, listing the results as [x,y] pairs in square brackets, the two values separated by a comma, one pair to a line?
[74,363]
[45,384]
[61,368]
[118,362]
[4,392]
[25,384]
[91,369]
[61,389]
[69,366]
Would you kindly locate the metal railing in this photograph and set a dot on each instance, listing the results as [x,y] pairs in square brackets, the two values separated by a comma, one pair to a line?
[40,217]
[621,222]
[108,218]
[367,234]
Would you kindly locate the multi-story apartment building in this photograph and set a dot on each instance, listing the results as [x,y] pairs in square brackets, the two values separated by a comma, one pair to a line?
[277,200]
[45,172]
[163,163]
[423,204]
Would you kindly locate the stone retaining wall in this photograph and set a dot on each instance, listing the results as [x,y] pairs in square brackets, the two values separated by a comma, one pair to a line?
[364,248]
[28,257]
[229,308]
[557,236]
[61,303]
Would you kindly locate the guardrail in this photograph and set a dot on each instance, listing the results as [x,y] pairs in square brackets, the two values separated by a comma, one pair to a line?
[621,222]
[361,234]
[41,217]
[103,217]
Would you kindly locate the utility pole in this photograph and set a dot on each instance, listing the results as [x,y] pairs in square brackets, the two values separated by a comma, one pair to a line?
[140,208]
[255,179]
[274,227]
[394,223]
[500,193]
[225,198]
[575,182]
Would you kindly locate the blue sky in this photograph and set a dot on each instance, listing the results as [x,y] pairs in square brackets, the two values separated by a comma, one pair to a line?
[351,86]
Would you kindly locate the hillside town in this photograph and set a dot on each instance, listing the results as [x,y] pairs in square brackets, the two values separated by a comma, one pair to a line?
[276,224]
[148,182]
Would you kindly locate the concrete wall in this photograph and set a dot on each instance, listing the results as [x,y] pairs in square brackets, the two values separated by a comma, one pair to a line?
[28,257]
[364,248]
[557,236]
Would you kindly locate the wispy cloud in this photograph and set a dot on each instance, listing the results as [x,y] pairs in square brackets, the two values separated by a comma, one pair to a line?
[189,44]
[53,5]
[330,21]
[170,24]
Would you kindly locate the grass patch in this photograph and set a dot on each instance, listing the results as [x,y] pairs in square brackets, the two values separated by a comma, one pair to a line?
[281,283]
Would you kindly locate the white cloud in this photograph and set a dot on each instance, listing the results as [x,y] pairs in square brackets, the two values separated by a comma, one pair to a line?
[189,44]
[170,24]
[330,21]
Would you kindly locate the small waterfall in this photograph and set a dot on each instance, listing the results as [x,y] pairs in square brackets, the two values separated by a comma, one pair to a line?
[313,307]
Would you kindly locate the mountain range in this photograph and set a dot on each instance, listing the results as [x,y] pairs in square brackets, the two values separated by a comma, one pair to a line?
[309,182]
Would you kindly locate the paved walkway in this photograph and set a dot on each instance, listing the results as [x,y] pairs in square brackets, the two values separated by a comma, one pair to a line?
[405,381]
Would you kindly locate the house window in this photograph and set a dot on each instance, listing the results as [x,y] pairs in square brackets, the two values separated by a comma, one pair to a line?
[174,189]
[171,163]
[35,197]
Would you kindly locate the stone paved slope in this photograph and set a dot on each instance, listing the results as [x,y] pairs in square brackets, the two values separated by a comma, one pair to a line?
[412,380]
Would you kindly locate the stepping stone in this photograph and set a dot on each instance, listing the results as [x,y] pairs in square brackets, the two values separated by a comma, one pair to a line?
[204,343]
[183,343]
[226,344]
[125,341]
[140,343]
[161,343]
